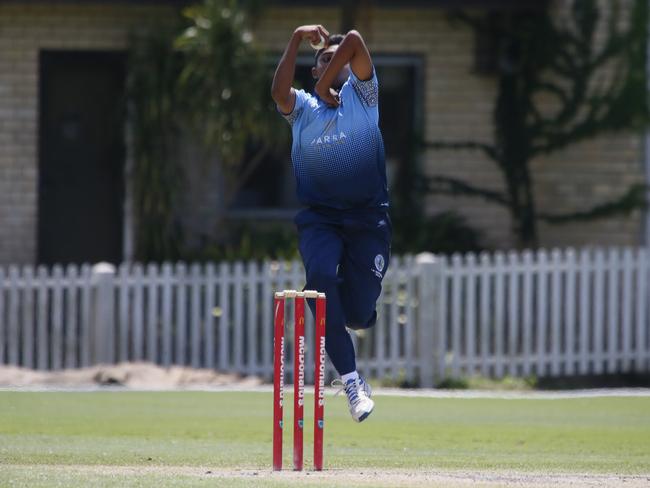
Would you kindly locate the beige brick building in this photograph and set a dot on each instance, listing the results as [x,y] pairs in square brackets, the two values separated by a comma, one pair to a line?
[454,104]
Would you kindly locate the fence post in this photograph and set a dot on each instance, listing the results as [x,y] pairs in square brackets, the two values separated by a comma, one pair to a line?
[102,333]
[431,348]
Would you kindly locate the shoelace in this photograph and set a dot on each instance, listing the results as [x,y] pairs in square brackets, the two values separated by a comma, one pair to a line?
[349,389]
[339,385]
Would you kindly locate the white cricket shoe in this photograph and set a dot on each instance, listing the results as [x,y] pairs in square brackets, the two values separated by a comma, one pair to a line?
[358,394]
[366,386]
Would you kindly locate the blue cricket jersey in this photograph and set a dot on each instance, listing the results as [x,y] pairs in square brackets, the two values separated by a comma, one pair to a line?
[338,153]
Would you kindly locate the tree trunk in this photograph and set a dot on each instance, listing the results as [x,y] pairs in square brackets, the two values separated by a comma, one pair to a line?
[528,233]
[514,143]
[523,212]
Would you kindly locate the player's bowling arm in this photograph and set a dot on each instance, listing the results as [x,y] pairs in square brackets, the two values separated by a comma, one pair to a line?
[352,50]
[281,90]
[361,62]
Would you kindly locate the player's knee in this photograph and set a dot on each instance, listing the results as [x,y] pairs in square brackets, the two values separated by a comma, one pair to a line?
[321,277]
[357,323]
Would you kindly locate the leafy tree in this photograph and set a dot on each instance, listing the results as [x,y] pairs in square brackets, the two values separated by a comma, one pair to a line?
[592,68]
[155,176]
[201,77]
[224,83]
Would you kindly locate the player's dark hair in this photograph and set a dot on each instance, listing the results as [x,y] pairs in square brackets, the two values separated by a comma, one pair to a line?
[334,40]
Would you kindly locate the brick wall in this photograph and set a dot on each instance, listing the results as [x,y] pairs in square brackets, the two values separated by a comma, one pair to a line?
[24,30]
[586,175]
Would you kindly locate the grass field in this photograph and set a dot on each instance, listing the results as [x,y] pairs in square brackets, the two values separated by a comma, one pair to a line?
[155,439]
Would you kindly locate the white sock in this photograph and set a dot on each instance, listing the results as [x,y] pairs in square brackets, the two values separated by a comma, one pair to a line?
[350,376]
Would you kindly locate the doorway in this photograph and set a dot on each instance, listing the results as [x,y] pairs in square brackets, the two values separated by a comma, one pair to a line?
[81,157]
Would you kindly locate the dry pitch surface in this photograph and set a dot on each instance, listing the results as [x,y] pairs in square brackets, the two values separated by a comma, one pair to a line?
[101,475]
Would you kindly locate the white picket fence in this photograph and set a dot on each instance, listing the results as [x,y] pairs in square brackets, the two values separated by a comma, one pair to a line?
[563,313]
[214,316]
[548,314]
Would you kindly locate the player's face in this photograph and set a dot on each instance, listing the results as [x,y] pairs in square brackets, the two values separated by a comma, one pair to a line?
[323,62]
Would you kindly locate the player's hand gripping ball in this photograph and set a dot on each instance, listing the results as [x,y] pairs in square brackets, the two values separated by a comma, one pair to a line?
[318,45]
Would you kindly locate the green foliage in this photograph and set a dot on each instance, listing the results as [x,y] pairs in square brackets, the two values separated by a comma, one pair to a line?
[248,242]
[224,85]
[445,233]
[452,383]
[597,87]
[392,381]
[153,70]
[448,232]
[221,77]
[201,75]
[507,383]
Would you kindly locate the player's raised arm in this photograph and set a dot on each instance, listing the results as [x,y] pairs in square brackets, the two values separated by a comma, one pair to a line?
[281,90]
[352,50]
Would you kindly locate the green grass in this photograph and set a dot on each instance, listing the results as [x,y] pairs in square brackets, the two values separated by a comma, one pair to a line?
[39,432]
